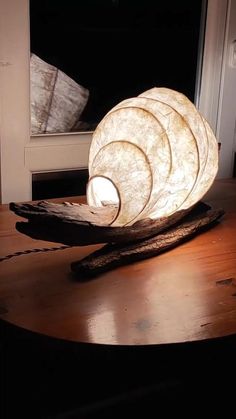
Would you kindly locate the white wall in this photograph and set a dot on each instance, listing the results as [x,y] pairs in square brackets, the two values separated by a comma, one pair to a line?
[226,121]
[14,108]
[218,84]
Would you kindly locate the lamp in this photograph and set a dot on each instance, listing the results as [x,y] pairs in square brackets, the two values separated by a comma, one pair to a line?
[152,158]
[151,155]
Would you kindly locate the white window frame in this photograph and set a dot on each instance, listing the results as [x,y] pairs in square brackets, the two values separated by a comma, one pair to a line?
[22,154]
[212,60]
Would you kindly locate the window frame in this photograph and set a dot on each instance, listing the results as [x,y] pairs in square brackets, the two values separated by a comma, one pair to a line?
[22,154]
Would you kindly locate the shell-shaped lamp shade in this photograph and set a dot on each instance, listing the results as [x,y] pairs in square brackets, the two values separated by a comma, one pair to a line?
[151,156]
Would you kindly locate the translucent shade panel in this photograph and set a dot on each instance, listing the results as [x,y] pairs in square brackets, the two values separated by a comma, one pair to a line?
[204,136]
[158,153]
[127,167]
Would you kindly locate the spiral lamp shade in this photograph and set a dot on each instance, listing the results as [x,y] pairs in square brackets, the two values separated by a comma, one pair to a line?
[151,155]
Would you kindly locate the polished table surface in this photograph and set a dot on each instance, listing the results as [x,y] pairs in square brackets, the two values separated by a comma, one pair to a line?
[186,294]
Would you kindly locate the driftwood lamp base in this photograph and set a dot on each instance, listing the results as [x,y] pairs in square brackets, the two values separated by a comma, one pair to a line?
[114,255]
[78,225]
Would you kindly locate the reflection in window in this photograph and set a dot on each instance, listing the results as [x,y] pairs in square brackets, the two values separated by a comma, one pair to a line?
[117,48]
[57,101]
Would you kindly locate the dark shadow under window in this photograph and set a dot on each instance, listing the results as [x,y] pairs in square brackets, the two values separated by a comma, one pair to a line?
[59,184]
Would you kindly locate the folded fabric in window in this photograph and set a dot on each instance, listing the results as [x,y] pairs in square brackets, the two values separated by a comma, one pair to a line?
[57,101]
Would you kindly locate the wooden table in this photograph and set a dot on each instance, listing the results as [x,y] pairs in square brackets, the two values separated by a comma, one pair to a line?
[139,339]
[185,294]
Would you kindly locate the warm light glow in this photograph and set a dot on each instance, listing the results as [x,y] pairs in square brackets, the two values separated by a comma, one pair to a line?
[152,155]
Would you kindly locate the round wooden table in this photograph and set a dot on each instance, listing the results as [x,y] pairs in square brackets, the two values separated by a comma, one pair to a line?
[185,294]
[144,337]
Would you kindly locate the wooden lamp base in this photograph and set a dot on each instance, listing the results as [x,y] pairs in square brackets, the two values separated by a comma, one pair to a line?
[78,225]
